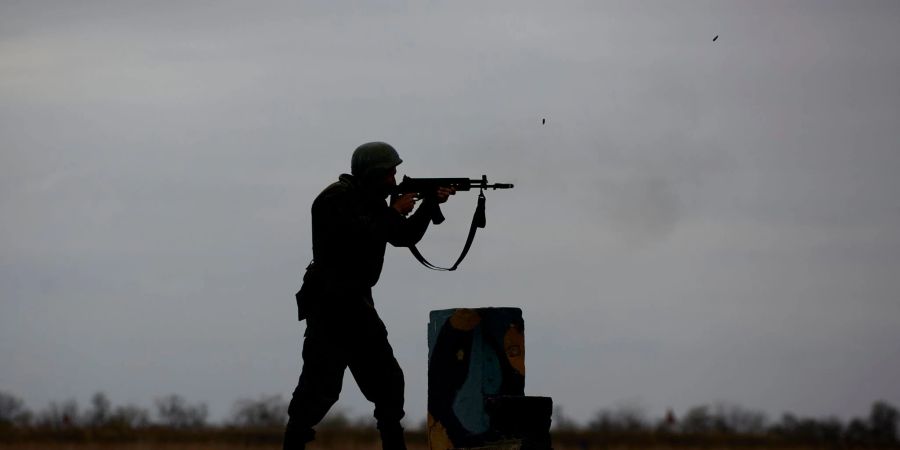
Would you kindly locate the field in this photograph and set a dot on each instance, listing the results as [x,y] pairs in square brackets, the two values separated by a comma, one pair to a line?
[365,438]
[332,446]
[564,442]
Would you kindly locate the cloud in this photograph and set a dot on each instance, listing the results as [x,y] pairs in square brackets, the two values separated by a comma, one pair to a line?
[705,212]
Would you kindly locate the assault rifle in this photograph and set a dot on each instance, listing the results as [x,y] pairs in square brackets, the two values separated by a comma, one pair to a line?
[425,188]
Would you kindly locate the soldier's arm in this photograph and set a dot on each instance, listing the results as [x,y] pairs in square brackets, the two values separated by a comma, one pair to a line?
[347,218]
[385,224]
[410,230]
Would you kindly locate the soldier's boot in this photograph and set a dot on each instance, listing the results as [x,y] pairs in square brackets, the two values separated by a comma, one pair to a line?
[392,438]
[296,439]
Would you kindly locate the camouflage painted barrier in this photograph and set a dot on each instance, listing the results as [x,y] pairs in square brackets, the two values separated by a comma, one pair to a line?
[476,382]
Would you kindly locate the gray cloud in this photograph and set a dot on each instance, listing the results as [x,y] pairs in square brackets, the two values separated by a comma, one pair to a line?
[697,221]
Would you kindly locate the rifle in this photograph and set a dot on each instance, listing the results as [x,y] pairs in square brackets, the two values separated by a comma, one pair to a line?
[426,188]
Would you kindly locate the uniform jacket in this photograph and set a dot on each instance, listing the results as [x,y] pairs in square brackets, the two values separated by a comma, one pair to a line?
[351,228]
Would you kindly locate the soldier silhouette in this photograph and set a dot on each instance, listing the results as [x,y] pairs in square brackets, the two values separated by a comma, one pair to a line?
[351,227]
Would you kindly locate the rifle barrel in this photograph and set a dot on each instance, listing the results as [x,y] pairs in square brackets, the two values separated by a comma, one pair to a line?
[461,184]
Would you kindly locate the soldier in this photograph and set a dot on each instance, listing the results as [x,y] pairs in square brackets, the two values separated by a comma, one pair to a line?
[351,226]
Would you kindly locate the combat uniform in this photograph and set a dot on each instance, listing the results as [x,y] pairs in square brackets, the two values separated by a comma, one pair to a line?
[351,226]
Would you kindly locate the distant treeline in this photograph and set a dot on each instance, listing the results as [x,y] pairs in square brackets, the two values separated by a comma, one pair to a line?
[261,420]
[173,419]
[730,425]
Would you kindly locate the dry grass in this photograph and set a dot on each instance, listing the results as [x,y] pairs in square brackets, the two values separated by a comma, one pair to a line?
[314,446]
[177,446]
[198,446]
[186,446]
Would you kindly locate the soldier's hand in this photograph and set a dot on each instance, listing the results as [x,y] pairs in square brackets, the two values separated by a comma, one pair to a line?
[444,193]
[404,204]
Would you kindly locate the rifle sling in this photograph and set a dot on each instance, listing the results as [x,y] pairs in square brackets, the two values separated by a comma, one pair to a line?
[478,221]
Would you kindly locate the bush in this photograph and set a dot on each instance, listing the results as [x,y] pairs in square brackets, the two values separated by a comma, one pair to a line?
[59,416]
[13,412]
[264,412]
[174,412]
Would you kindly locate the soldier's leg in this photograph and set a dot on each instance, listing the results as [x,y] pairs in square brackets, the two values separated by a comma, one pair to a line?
[380,379]
[320,383]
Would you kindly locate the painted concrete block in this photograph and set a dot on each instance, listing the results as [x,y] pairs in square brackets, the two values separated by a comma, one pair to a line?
[476,380]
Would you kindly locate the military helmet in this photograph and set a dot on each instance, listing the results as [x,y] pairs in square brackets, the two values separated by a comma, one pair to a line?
[373,156]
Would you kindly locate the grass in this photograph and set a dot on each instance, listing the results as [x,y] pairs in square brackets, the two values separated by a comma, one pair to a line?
[347,445]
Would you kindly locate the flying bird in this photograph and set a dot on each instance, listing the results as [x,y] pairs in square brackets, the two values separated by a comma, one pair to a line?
[714,39]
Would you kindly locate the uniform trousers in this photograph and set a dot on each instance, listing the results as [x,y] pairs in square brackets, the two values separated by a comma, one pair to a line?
[351,337]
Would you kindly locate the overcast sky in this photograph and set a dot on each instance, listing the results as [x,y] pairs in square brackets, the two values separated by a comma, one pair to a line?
[697,221]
